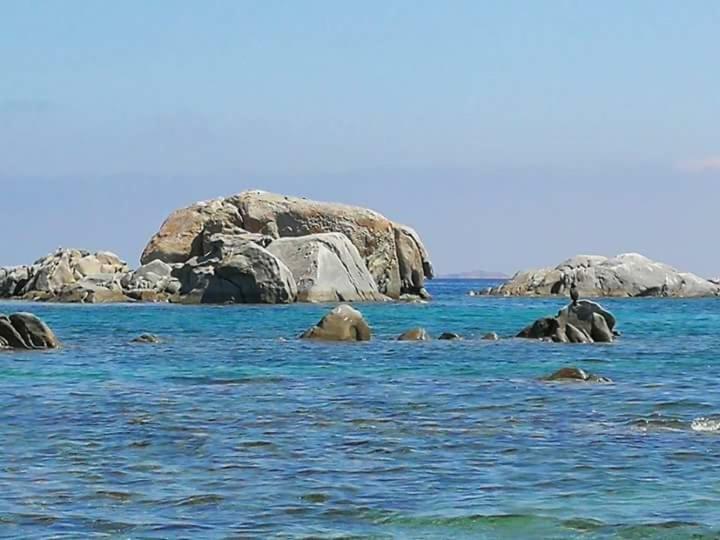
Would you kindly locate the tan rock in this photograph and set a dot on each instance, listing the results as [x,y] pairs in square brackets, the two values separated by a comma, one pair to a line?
[343,323]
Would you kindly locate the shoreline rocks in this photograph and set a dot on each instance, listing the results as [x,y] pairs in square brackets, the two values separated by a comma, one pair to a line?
[626,275]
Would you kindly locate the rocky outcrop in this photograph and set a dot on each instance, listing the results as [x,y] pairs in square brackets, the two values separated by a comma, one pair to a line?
[414,334]
[627,275]
[393,254]
[343,323]
[26,331]
[327,268]
[584,322]
[73,275]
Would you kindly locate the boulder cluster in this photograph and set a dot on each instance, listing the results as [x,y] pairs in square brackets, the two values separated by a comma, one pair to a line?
[73,275]
[254,247]
[626,275]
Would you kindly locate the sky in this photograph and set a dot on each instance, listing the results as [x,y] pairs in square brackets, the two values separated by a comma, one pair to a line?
[510,134]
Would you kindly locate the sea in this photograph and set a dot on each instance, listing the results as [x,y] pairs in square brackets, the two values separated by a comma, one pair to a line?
[232,427]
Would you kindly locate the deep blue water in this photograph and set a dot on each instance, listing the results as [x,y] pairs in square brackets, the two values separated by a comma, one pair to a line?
[233,428]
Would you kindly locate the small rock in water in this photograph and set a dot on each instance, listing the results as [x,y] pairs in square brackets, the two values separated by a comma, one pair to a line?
[581,322]
[575,374]
[343,323]
[492,336]
[416,334]
[150,339]
[450,335]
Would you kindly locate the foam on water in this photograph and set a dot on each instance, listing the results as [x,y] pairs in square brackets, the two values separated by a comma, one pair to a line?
[706,424]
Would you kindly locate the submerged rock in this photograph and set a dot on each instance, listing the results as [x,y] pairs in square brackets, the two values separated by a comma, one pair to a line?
[342,323]
[26,331]
[626,275]
[584,322]
[449,336]
[492,336]
[575,374]
[150,339]
[415,334]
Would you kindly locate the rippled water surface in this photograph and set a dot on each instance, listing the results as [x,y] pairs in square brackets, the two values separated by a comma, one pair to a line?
[232,428]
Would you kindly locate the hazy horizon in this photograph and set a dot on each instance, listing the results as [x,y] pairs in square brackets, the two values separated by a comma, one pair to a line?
[510,135]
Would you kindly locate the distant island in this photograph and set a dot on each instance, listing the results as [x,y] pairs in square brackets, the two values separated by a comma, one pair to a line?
[475,274]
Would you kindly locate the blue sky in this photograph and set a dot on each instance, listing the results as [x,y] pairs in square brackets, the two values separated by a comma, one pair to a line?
[510,134]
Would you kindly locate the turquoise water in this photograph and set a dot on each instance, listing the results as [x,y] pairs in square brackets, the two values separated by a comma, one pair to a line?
[227,430]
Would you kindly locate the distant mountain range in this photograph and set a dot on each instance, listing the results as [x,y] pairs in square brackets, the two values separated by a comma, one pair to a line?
[475,274]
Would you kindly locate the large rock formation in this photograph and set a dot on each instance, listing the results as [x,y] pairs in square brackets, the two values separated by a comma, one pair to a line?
[26,331]
[627,275]
[253,247]
[392,253]
[584,322]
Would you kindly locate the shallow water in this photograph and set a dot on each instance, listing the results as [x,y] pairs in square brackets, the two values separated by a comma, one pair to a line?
[227,431]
